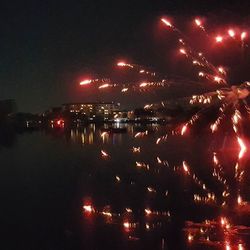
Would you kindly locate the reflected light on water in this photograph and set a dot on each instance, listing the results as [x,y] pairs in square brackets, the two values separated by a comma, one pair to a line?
[151,180]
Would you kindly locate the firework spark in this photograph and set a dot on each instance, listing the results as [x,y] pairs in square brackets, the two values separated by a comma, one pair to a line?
[228,102]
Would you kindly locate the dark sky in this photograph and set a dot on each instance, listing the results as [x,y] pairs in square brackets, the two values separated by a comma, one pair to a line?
[47,46]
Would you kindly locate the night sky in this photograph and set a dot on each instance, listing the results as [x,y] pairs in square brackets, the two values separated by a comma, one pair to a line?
[48,46]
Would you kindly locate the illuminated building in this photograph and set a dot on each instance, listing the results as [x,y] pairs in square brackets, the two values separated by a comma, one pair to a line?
[93,110]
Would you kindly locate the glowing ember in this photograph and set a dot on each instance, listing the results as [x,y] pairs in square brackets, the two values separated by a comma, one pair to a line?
[159,160]
[88,208]
[121,64]
[218,79]
[240,247]
[243,148]
[103,134]
[190,237]
[201,74]
[218,39]
[243,35]
[183,51]
[230,106]
[221,70]
[148,211]
[129,210]
[158,140]
[166,22]
[144,84]
[124,90]
[185,166]
[85,82]
[104,154]
[184,129]
[136,149]
[108,214]
[126,225]
[105,85]
[231,33]
[239,200]
[197,22]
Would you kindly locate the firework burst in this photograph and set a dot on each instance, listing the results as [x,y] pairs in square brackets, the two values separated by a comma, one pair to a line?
[228,102]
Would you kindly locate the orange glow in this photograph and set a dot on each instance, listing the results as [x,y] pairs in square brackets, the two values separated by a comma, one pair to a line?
[231,33]
[218,39]
[166,22]
[243,147]
[85,82]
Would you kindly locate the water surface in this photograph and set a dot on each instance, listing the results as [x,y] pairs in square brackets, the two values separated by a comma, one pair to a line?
[59,192]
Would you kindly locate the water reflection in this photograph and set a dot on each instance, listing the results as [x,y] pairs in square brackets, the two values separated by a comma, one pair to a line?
[179,194]
[92,134]
[217,191]
[211,186]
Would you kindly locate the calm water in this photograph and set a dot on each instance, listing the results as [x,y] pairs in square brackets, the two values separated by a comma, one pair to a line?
[59,192]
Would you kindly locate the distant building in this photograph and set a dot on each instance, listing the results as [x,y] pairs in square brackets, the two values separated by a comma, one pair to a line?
[120,116]
[7,107]
[93,110]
